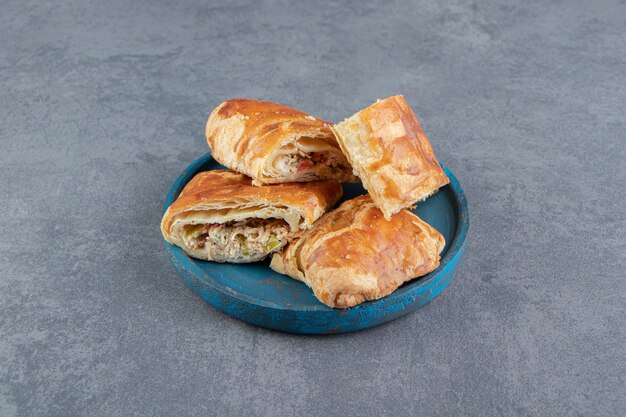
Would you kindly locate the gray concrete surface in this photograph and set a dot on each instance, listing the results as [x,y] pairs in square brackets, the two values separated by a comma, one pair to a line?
[103,103]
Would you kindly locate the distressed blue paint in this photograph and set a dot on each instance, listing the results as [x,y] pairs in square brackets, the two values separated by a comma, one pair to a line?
[256,294]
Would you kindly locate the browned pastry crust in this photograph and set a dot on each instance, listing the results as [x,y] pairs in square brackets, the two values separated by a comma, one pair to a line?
[391,154]
[353,254]
[220,197]
[273,143]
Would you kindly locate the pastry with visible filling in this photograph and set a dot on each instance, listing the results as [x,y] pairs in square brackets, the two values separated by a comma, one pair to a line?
[220,216]
[391,154]
[353,254]
[273,143]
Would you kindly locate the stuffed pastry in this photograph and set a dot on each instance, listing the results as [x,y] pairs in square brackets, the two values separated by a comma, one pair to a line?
[275,144]
[219,216]
[353,254]
[391,154]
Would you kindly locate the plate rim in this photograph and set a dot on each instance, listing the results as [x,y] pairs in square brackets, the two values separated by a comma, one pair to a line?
[403,292]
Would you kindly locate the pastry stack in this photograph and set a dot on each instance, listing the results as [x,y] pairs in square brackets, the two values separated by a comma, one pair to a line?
[277,198]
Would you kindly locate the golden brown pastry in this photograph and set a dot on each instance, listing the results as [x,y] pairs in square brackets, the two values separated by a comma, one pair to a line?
[219,216]
[353,254]
[275,144]
[391,154]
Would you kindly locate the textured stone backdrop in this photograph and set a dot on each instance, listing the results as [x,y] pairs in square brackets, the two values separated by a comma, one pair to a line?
[103,103]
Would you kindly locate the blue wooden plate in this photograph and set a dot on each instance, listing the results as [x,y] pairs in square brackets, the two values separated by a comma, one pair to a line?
[257,295]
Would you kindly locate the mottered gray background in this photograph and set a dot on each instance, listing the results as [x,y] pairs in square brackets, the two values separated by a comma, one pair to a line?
[103,104]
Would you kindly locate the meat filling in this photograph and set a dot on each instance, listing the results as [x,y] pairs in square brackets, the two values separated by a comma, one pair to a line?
[321,163]
[251,238]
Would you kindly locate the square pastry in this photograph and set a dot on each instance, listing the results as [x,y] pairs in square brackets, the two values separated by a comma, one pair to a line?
[353,254]
[390,152]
